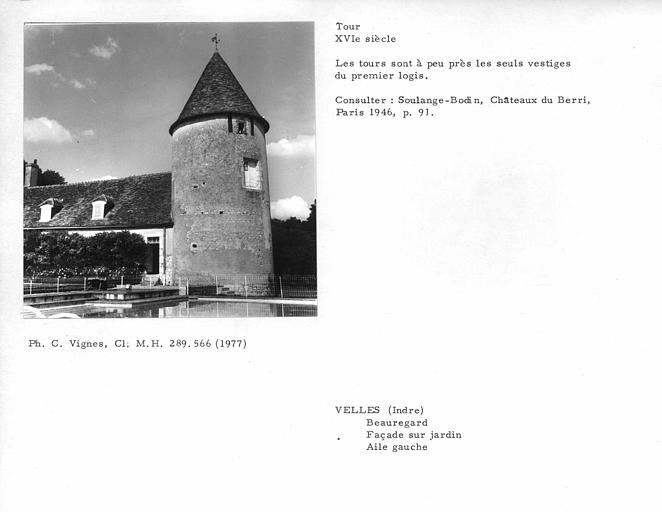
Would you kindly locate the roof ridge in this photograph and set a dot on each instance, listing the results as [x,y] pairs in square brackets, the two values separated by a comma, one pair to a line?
[99,180]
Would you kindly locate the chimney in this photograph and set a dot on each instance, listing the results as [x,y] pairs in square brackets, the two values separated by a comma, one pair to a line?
[30,174]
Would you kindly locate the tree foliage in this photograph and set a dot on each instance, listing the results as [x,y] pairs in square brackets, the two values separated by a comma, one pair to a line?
[50,177]
[69,254]
[295,245]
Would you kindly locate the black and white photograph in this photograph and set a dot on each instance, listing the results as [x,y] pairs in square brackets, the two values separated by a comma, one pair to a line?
[169,170]
[406,255]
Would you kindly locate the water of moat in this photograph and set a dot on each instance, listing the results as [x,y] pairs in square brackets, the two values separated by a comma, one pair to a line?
[192,309]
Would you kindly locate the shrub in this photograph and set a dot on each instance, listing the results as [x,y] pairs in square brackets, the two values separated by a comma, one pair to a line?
[68,254]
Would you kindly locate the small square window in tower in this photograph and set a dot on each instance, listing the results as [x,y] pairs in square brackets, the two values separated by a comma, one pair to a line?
[252,174]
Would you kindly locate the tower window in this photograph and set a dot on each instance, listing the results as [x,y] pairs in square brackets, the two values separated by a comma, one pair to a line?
[241,127]
[252,174]
[252,127]
[229,124]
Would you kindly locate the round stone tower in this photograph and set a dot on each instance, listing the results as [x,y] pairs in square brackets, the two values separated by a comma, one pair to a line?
[220,185]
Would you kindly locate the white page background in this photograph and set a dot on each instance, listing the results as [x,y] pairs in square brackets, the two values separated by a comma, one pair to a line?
[499,266]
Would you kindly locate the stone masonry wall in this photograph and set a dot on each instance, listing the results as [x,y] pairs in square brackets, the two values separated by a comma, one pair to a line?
[220,226]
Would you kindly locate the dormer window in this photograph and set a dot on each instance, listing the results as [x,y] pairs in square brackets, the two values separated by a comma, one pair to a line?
[49,208]
[252,174]
[101,206]
[46,212]
[98,208]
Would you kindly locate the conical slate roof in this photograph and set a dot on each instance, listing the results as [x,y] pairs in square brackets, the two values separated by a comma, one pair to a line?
[217,92]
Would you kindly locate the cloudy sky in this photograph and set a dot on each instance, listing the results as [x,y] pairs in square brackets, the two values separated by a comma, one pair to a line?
[99,99]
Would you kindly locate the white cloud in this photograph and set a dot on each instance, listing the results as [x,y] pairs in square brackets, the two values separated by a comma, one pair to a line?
[87,133]
[42,129]
[38,69]
[106,51]
[301,145]
[107,177]
[288,207]
[80,85]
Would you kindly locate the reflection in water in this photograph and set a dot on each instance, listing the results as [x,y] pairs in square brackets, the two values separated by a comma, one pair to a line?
[195,309]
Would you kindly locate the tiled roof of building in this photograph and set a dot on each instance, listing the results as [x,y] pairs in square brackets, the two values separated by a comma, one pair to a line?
[217,92]
[137,201]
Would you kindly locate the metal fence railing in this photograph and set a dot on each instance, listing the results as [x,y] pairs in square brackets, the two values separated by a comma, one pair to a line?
[251,285]
[42,284]
[235,285]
